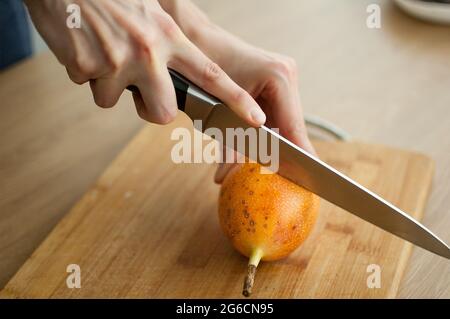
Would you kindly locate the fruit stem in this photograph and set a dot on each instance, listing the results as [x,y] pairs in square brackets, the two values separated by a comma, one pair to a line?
[253,262]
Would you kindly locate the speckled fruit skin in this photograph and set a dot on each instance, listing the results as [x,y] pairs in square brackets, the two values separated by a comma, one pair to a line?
[265,211]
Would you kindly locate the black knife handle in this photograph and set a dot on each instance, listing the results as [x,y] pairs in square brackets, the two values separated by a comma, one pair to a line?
[181,85]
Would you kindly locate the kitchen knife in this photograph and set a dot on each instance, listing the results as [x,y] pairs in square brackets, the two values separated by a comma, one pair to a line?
[307,171]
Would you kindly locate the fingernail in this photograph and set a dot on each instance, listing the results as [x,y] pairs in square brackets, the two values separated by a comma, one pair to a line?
[258,116]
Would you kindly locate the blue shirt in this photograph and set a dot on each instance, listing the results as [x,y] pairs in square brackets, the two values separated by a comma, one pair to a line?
[15,40]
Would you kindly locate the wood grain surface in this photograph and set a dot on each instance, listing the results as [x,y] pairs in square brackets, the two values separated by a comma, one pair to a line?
[387,86]
[54,144]
[149,228]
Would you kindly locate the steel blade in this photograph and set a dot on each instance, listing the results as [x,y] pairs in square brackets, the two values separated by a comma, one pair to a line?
[320,178]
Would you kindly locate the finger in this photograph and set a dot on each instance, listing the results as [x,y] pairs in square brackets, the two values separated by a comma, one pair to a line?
[196,66]
[77,77]
[87,59]
[140,106]
[284,101]
[104,30]
[85,65]
[306,141]
[133,26]
[157,100]
[107,91]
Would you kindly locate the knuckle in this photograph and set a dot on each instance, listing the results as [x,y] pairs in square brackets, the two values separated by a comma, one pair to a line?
[168,26]
[166,116]
[140,107]
[151,40]
[211,73]
[162,116]
[103,101]
[272,89]
[145,45]
[162,120]
[117,60]
[294,128]
[76,78]
[291,62]
[143,114]
[83,66]
[285,69]
[239,96]
[282,69]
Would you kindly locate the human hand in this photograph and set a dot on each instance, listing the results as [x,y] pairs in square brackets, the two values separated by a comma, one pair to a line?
[272,80]
[133,42]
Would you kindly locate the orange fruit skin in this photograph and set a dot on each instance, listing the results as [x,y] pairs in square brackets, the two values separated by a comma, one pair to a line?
[265,211]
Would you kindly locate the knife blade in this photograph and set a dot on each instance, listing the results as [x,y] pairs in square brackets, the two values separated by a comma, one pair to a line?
[305,170]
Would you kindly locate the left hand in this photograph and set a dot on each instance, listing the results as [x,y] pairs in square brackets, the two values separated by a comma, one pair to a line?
[272,80]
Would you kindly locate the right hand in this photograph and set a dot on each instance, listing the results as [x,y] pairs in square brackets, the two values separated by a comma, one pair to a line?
[133,42]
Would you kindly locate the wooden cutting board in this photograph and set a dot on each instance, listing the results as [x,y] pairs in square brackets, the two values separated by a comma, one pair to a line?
[149,228]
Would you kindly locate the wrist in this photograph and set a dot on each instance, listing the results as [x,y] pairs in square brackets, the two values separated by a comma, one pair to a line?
[219,45]
[199,29]
[191,20]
